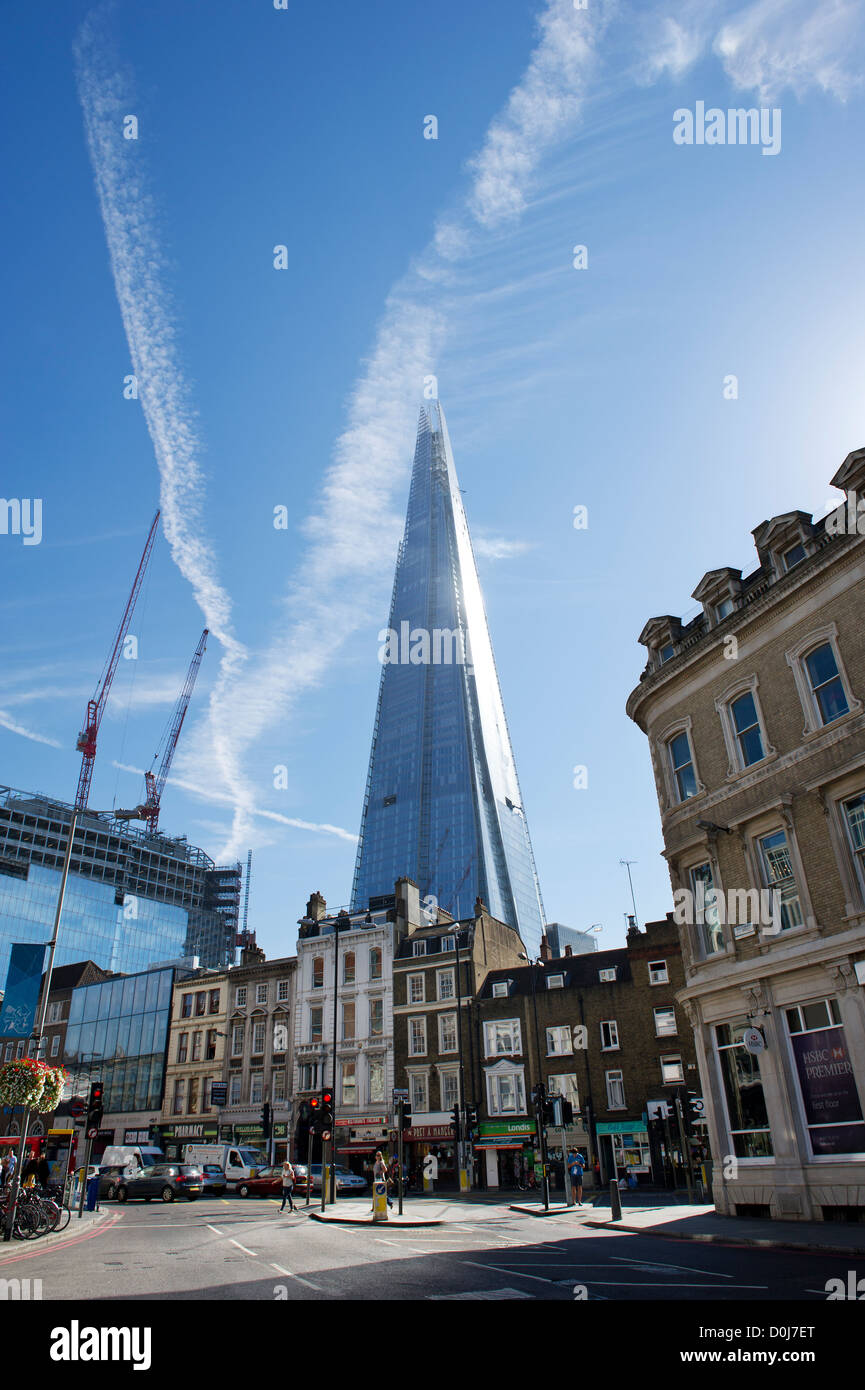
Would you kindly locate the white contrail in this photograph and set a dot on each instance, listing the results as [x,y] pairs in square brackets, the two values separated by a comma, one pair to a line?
[136,263]
[223,799]
[8,723]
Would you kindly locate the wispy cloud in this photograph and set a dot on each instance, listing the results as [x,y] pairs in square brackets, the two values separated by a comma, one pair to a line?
[497,548]
[769,46]
[7,722]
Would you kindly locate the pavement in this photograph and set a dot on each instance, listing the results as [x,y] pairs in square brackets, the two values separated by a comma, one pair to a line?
[670,1220]
[89,1224]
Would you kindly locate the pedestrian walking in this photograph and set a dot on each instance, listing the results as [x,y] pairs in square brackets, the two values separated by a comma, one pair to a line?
[287,1186]
[13,1163]
[576,1164]
[4,1171]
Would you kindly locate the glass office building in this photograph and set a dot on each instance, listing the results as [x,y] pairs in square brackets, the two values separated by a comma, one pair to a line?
[442,802]
[132,899]
[118,1031]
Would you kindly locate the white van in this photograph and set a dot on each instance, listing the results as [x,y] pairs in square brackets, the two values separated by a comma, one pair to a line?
[132,1157]
[235,1160]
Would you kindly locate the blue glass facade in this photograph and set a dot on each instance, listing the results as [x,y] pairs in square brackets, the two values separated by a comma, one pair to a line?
[118,1031]
[442,802]
[93,926]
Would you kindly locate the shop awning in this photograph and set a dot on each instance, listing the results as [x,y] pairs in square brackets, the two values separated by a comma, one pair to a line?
[509,1143]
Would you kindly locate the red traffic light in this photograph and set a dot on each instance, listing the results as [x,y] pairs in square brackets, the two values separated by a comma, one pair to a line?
[315,1103]
[326,1098]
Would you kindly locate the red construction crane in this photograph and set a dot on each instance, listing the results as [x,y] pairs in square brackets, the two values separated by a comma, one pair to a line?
[86,743]
[154,782]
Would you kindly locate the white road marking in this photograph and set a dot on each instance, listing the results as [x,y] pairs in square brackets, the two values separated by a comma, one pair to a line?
[299,1277]
[479,1293]
[537,1279]
[655,1267]
[214,1230]
[623,1284]
[243,1247]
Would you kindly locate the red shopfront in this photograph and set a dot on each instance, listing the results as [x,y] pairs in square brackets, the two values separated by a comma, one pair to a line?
[358,1139]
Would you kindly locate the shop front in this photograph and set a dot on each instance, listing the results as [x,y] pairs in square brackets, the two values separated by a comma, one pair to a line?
[624,1152]
[437,1140]
[505,1153]
[174,1138]
[358,1139]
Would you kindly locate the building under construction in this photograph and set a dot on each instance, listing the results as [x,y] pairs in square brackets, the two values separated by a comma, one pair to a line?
[133,897]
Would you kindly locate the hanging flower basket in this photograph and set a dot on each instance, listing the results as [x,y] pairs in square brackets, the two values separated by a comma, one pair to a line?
[22,1082]
[55,1078]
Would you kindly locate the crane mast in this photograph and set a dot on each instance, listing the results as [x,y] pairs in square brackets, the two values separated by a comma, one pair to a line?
[86,742]
[154,782]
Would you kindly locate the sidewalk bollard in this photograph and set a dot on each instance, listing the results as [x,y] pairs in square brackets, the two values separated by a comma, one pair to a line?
[615,1202]
[379,1201]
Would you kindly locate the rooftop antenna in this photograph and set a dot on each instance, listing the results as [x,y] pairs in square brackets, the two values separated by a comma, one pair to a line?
[627,863]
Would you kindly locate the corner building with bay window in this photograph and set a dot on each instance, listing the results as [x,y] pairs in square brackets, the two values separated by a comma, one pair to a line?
[756,725]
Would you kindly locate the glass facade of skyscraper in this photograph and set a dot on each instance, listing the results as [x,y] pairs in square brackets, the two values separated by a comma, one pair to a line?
[443,802]
[133,898]
[118,1031]
[121,937]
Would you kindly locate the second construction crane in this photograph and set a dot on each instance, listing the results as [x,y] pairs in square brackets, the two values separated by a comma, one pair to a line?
[154,782]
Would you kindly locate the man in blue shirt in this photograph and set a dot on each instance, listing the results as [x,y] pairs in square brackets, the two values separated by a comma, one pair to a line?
[576,1165]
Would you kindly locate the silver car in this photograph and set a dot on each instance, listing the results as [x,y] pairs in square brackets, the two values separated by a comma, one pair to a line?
[346,1181]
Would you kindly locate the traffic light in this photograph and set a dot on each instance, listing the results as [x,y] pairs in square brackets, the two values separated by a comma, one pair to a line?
[265,1119]
[567,1113]
[455,1121]
[548,1105]
[94,1105]
[326,1109]
[315,1115]
[405,1113]
[539,1093]
[471,1118]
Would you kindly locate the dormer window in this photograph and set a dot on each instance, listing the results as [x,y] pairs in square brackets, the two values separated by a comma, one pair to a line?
[794,555]
[500,989]
[555,982]
[666,653]
[723,609]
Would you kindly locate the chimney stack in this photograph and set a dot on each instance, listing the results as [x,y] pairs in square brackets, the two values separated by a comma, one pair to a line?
[546,953]
[316,907]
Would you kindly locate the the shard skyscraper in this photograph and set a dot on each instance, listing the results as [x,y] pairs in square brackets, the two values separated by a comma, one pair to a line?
[443,802]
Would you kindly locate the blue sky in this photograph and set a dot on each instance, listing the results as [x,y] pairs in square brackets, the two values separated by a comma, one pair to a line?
[300,387]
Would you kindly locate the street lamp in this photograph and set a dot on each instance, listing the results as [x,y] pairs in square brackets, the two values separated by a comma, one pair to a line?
[539,1109]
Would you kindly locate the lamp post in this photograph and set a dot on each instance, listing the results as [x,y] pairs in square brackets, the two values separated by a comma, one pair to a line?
[539,1107]
[40,1027]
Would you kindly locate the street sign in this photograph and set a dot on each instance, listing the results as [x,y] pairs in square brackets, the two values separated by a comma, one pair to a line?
[399,1093]
[92,1133]
[218,1093]
[325,1134]
[77,1107]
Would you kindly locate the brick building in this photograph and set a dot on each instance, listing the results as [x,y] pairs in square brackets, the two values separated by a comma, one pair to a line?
[602,1030]
[754,715]
[437,970]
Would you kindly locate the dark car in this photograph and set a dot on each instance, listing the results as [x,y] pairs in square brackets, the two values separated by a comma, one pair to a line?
[266,1182]
[165,1180]
[110,1177]
[213,1180]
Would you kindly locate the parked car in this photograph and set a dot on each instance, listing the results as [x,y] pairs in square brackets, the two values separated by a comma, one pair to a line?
[112,1174]
[213,1180]
[346,1181]
[165,1180]
[266,1183]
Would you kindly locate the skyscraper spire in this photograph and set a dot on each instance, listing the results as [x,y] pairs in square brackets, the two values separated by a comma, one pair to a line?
[443,802]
